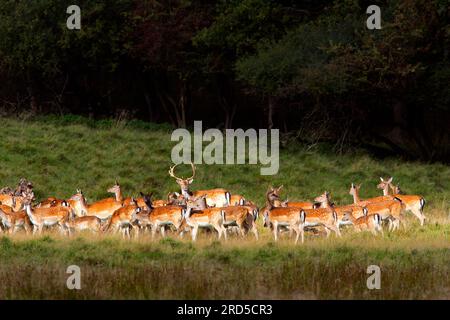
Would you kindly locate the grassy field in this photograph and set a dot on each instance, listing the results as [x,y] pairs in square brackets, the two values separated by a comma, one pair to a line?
[62,154]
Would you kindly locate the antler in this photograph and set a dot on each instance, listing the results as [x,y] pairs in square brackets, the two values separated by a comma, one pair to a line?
[172,174]
[193,171]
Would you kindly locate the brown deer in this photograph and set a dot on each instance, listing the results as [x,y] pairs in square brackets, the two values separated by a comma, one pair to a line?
[389,207]
[355,210]
[206,218]
[287,203]
[102,209]
[214,197]
[369,222]
[12,221]
[237,200]
[413,203]
[160,217]
[91,223]
[122,218]
[41,217]
[276,217]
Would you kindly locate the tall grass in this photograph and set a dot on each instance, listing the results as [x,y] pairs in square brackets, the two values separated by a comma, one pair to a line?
[172,269]
[62,154]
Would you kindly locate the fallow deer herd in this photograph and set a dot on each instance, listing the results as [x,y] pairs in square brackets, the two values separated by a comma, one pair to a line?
[215,209]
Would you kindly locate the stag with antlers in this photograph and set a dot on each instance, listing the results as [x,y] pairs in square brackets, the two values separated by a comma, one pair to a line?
[214,197]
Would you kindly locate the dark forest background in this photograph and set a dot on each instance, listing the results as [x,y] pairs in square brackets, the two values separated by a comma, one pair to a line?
[310,68]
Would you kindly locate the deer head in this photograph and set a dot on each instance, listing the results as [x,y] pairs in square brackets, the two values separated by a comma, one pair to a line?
[384,185]
[148,200]
[174,198]
[197,203]
[115,188]
[183,182]
[354,189]
[324,198]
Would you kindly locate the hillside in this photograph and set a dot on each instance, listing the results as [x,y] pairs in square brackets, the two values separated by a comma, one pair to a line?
[62,154]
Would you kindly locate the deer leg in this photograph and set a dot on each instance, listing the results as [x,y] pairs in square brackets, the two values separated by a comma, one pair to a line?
[219,230]
[302,230]
[153,231]
[275,231]
[335,229]
[224,231]
[297,233]
[419,215]
[242,229]
[194,233]
[163,231]
[255,231]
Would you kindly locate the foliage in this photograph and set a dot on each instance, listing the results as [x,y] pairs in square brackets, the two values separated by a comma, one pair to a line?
[298,65]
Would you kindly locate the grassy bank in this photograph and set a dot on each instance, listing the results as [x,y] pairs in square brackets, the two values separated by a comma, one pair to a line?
[62,154]
[113,268]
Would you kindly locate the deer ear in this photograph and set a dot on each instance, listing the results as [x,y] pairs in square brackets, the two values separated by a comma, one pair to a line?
[190,180]
[390,180]
[353,185]
[381,179]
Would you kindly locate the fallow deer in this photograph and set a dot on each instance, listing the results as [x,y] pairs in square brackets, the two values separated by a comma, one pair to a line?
[356,210]
[354,191]
[141,220]
[121,219]
[287,203]
[49,202]
[241,217]
[413,203]
[206,218]
[91,223]
[214,197]
[389,207]
[17,203]
[41,217]
[293,218]
[318,217]
[12,221]
[369,222]
[101,209]
[160,217]
[237,200]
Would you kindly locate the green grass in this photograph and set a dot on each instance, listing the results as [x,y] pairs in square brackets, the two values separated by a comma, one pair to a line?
[62,154]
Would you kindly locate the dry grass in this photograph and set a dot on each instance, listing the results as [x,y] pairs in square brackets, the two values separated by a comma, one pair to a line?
[415,264]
